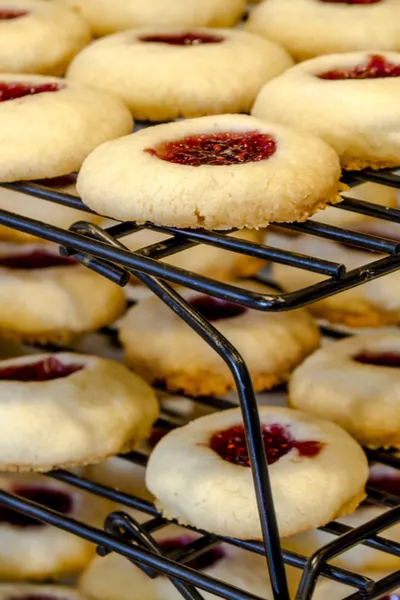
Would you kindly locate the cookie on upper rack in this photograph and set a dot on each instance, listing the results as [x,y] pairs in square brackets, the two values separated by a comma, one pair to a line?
[214,172]
[50,125]
[33,550]
[109,16]
[200,473]
[360,92]
[70,409]
[356,383]
[40,37]
[46,297]
[30,591]
[162,74]
[308,28]
[173,355]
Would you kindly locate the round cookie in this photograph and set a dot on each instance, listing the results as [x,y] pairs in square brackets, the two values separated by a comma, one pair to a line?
[109,16]
[327,589]
[163,74]
[317,472]
[308,28]
[353,383]
[172,354]
[32,550]
[212,172]
[372,304]
[29,591]
[44,296]
[50,125]
[359,91]
[70,409]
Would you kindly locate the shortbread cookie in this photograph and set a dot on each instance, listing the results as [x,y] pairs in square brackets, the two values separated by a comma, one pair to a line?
[317,471]
[70,409]
[50,125]
[359,91]
[213,172]
[109,16]
[171,354]
[204,259]
[29,591]
[162,74]
[46,297]
[354,383]
[308,28]
[372,304]
[30,549]
[327,589]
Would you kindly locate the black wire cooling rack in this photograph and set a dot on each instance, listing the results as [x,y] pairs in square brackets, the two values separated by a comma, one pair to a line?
[101,250]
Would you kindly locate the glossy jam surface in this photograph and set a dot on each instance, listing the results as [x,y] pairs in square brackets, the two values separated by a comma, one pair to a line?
[230,148]
[377,67]
[384,359]
[385,483]
[48,497]
[205,560]
[215,309]
[188,38]
[43,370]
[8,14]
[230,444]
[14,90]
[37,259]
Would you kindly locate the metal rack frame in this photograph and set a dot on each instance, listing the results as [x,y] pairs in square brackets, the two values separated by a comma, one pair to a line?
[101,250]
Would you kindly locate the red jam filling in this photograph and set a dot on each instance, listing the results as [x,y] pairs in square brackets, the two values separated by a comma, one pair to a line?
[7,14]
[377,67]
[36,597]
[157,433]
[46,369]
[215,309]
[14,90]
[351,1]
[390,484]
[205,560]
[230,444]
[58,182]
[230,148]
[37,259]
[384,359]
[182,39]
[48,497]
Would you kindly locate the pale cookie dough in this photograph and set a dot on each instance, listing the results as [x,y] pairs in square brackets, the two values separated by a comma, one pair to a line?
[163,74]
[354,383]
[29,591]
[32,550]
[70,409]
[308,28]
[352,101]
[46,298]
[50,125]
[212,172]
[109,16]
[40,37]
[171,354]
[331,590]
[317,472]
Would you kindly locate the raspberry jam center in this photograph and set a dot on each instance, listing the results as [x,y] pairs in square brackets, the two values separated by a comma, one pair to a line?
[384,359]
[377,67]
[187,38]
[14,90]
[230,148]
[205,560]
[37,259]
[215,309]
[230,444]
[50,498]
[46,369]
[7,14]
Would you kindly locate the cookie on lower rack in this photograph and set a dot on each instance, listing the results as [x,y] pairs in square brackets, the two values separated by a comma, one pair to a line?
[170,353]
[214,172]
[33,550]
[29,591]
[109,16]
[317,472]
[332,590]
[308,28]
[50,125]
[360,92]
[356,383]
[45,297]
[70,409]
[166,73]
